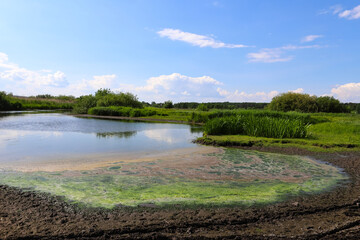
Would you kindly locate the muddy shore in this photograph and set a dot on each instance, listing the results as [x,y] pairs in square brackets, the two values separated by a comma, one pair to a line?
[332,215]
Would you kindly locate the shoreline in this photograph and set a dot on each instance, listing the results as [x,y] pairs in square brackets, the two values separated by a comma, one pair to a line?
[134,119]
[331,215]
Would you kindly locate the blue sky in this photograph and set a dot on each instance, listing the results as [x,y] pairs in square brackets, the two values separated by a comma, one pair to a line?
[202,50]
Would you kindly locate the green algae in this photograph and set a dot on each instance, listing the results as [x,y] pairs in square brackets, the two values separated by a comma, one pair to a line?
[129,188]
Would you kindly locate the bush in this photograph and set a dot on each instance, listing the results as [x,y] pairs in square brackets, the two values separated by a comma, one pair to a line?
[120,99]
[202,107]
[4,102]
[168,104]
[329,104]
[294,102]
[84,103]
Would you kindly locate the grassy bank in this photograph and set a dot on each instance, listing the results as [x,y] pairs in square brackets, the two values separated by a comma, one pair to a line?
[333,132]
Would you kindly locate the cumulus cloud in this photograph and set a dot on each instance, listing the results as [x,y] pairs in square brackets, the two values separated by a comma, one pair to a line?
[310,38]
[272,55]
[12,72]
[195,39]
[349,92]
[238,96]
[350,14]
[176,87]
[103,81]
[299,90]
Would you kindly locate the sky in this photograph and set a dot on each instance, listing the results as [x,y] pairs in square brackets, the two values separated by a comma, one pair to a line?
[181,50]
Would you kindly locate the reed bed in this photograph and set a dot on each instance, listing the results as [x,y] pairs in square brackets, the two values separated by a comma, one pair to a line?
[258,126]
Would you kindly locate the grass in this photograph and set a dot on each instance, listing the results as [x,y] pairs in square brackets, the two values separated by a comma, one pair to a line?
[25,103]
[258,125]
[332,133]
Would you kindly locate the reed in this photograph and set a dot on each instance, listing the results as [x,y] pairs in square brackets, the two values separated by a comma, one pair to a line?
[258,126]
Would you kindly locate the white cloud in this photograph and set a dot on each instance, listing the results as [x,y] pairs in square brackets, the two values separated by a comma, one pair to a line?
[310,38]
[333,10]
[238,96]
[268,55]
[299,90]
[195,39]
[272,55]
[176,87]
[12,72]
[350,14]
[349,92]
[104,81]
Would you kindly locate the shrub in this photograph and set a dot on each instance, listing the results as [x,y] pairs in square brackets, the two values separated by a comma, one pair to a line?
[84,103]
[329,104]
[119,99]
[168,104]
[294,102]
[202,107]
[4,102]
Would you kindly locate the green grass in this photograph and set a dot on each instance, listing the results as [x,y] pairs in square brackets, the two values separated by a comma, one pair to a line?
[334,132]
[257,125]
[40,103]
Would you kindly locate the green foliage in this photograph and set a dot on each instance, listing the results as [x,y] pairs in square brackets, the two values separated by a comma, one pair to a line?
[168,104]
[122,111]
[102,92]
[4,102]
[329,104]
[202,117]
[119,99]
[221,105]
[84,103]
[106,98]
[259,126]
[358,109]
[202,107]
[294,102]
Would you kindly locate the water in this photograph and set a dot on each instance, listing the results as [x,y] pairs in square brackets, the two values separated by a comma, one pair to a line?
[46,136]
[103,163]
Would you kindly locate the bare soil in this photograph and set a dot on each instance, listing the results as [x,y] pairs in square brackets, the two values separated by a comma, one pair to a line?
[332,215]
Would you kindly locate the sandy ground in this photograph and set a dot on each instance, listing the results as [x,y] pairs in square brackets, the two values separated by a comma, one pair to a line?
[333,215]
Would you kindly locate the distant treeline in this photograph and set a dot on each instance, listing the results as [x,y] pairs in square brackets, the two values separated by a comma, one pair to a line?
[210,105]
[105,98]
[8,102]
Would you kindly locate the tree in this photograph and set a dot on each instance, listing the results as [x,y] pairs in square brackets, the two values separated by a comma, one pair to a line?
[329,104]
[84,103]
[168,104]
[291,101]
[202,107]
[4,102]
[358,108]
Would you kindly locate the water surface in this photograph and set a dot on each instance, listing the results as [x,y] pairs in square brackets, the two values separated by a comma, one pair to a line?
[42,137]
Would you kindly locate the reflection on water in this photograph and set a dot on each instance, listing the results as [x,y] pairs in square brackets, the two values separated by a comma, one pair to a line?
[116,134]
[33,137]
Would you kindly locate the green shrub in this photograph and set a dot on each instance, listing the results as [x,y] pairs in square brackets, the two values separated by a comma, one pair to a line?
[202,107]
[294,102]
[84,103]
[168,104]
[329,105]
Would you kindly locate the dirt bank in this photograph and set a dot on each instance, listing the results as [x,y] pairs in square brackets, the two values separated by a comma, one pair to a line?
[334,215]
